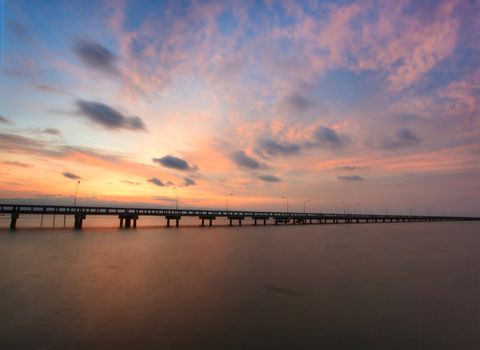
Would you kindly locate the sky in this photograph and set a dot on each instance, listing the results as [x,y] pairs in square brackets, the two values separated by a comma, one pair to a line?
[360,106]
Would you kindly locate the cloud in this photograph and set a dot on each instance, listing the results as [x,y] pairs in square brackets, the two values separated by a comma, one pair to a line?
[130,182]
[108,117]
[13,142]
[4,120]
[269,178]
[15,163]
[297,103]
[49,88]
[51,131]
[241,159]
[403,138]
[96,56]
[72,176]
[275,148]
[351,168]
[174,163]
[189,182]
[156,181]
[327,137]
[350,178]
[163,199]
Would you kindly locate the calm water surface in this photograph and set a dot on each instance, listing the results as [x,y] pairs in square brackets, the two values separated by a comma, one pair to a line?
[367,286]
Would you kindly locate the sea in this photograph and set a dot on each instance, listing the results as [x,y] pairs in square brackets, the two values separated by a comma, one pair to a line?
[330,286]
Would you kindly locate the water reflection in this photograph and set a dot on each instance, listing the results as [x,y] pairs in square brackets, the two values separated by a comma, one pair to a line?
[347,286]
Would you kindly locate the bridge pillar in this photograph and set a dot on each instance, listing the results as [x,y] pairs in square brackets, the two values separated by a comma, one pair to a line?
[210,222]
[264,222]
[255,222]
[231,222]
[173,217]
[13,222]
[127,219]
[203,222]
[79,217]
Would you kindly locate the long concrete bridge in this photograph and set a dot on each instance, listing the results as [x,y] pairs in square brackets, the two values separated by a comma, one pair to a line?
[128,217]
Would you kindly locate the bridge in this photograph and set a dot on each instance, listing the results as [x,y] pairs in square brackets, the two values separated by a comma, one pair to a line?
[128,217]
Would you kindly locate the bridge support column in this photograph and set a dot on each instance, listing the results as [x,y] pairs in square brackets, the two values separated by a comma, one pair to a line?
[210,222]
[231,222]
[203,222]
[264,222]
[175,217]
[13,221]
[127,219]
[79,220]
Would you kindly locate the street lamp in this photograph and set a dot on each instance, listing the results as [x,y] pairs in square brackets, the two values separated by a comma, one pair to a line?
[75,198]
[287,201]
[305,205]
[176,205]
[226,201]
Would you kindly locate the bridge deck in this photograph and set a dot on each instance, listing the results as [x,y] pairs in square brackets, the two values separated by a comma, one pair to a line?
[128,214]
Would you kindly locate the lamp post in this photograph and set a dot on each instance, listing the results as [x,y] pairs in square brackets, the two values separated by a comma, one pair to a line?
[75,198]
[226,201]
[305,205]
[176,203]
[283,197]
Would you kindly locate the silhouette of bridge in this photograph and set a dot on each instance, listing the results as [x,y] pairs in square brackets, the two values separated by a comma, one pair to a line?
[128,217]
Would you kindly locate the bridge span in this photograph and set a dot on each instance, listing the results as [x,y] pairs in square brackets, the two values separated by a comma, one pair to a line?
[128,217]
